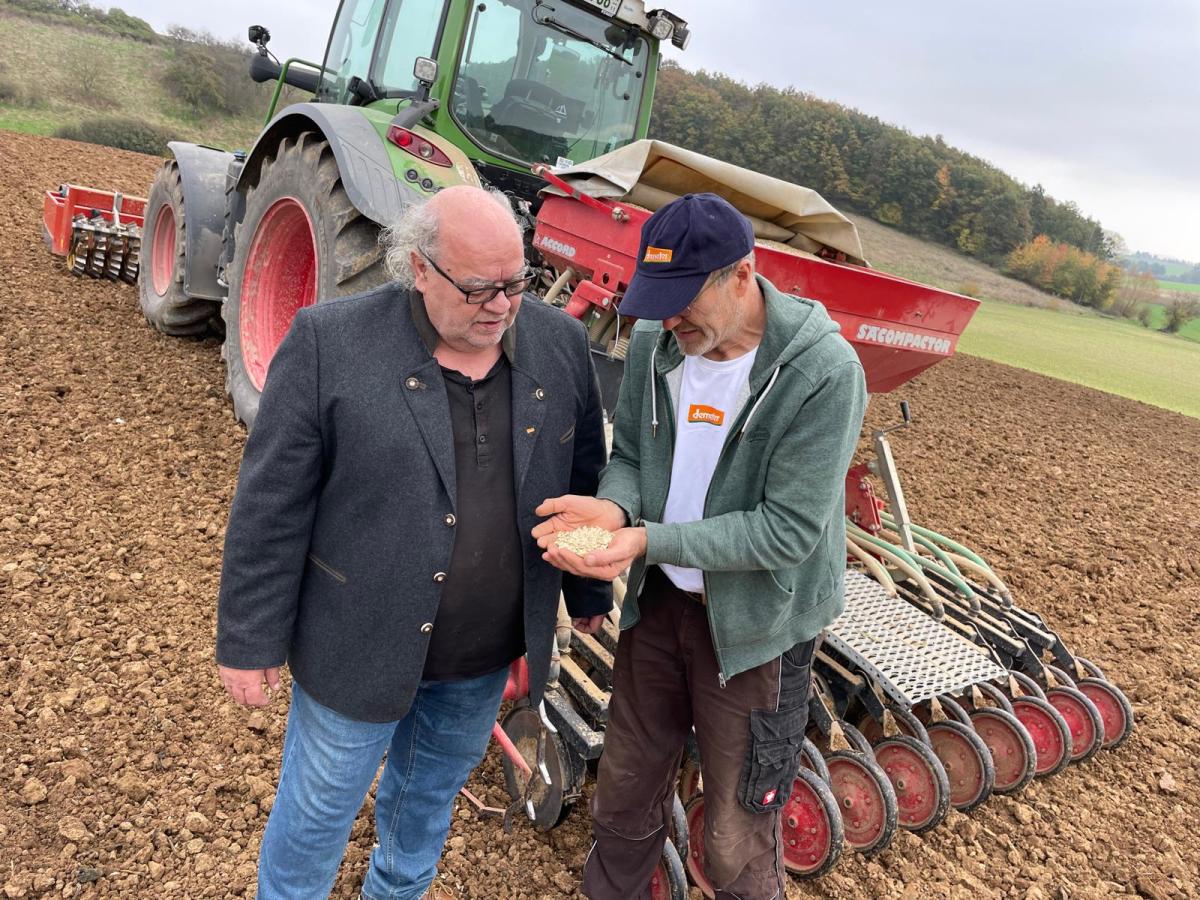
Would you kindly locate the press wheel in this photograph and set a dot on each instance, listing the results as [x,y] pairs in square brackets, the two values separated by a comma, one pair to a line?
[1082,717]
[1051,736]
[668,881]
[1115,710]
[919,780]
[1014,756]
[812,827]
[696,855]
[967,761]
[865,799]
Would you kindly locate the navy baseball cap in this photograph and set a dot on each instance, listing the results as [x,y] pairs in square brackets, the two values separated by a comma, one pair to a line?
[682,244]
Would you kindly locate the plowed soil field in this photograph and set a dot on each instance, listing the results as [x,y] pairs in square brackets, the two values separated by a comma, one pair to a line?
[125,771]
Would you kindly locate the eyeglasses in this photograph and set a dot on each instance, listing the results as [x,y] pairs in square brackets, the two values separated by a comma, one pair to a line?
[477,295]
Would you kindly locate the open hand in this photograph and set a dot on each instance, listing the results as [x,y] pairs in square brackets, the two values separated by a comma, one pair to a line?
[605,565]
[572,511]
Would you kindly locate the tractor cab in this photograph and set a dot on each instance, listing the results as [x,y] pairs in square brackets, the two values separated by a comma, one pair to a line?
[516,82]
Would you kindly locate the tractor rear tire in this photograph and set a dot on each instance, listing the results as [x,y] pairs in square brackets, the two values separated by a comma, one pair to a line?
[164,245]
[301,241]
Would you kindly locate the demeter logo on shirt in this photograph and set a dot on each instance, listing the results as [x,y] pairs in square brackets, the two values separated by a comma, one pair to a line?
[658,255]
[698,412]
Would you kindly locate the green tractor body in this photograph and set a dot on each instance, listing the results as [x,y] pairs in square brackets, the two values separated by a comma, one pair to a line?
[413,96]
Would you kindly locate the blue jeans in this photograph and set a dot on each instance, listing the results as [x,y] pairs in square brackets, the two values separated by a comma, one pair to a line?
[329,762]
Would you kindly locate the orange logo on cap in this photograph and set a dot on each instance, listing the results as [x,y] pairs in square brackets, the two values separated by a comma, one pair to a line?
[698,412]
[657,255]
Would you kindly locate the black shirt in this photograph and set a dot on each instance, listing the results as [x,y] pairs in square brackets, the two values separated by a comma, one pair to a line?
[480,624]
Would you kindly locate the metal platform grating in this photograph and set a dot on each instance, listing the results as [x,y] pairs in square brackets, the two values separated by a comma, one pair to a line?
[912,656]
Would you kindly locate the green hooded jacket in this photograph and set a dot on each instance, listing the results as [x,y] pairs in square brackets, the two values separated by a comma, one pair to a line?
[772,543]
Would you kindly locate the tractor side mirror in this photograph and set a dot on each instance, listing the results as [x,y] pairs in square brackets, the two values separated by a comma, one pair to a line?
[258,35]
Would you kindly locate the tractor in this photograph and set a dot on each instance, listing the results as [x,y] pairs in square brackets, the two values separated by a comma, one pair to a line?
[413,96]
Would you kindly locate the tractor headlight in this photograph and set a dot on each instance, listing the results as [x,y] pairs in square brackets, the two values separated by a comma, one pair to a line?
[661,27]
[681,36]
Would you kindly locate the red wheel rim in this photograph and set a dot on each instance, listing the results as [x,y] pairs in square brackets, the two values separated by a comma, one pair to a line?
[915,784]
[1006,747]
[162,250]
[1047,739]
[964,769]
[1112,713]
[660,884]
[280,278]
[1079,722]
[807,834]
[695,857]
[863,807]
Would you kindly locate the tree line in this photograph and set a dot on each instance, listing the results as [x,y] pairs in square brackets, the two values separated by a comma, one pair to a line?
[920,185]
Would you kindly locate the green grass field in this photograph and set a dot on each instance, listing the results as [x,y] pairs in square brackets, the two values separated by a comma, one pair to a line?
[1110,355]
[1182,286]
[123,78]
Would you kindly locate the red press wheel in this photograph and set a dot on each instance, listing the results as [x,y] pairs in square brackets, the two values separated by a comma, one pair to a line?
[1082,717]
[967,762]
[695,858]
[811,758]
[1113,706]
[1014,756]
[1051,736]
[919,780]
[812,827]
[865,798]
[668,881]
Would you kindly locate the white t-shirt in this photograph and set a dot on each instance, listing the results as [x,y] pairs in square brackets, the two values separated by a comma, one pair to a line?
[706,412]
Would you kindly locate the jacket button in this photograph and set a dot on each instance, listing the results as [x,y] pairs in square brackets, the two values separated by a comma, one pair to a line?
[439,577]
[449,519]
[426,628]
[539,394]
[412,382]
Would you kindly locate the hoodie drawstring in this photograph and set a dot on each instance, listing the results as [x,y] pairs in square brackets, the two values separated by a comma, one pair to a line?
[758,402]
[653,393]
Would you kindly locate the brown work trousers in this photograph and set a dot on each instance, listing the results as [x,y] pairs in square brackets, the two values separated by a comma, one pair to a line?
[665,682]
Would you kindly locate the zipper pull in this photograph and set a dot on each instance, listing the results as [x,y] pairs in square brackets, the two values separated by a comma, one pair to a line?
[721,680]
[653,429]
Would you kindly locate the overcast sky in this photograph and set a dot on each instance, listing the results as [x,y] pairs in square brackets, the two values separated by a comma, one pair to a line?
[1098,100]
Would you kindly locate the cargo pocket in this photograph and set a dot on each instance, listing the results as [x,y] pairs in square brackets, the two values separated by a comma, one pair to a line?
[772,758]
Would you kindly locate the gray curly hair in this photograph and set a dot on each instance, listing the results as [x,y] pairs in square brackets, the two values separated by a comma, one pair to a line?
[417,231]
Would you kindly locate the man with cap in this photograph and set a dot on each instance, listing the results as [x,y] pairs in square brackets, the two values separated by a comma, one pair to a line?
[737,419]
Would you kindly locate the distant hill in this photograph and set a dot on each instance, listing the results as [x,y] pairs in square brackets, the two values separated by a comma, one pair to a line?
[61,70]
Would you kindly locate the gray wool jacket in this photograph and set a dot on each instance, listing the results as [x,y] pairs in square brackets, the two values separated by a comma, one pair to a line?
[343,521]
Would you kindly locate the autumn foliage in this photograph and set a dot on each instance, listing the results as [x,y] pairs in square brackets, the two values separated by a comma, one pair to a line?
[1065,271]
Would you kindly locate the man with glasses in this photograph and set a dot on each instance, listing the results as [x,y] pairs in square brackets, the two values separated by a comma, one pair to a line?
[737,419]
[379,540]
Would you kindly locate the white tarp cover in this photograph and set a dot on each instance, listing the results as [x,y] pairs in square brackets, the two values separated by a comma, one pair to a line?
[650,173]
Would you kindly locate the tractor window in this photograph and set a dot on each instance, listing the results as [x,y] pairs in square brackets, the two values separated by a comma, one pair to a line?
[351,46]
[542,82]
[410,31]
